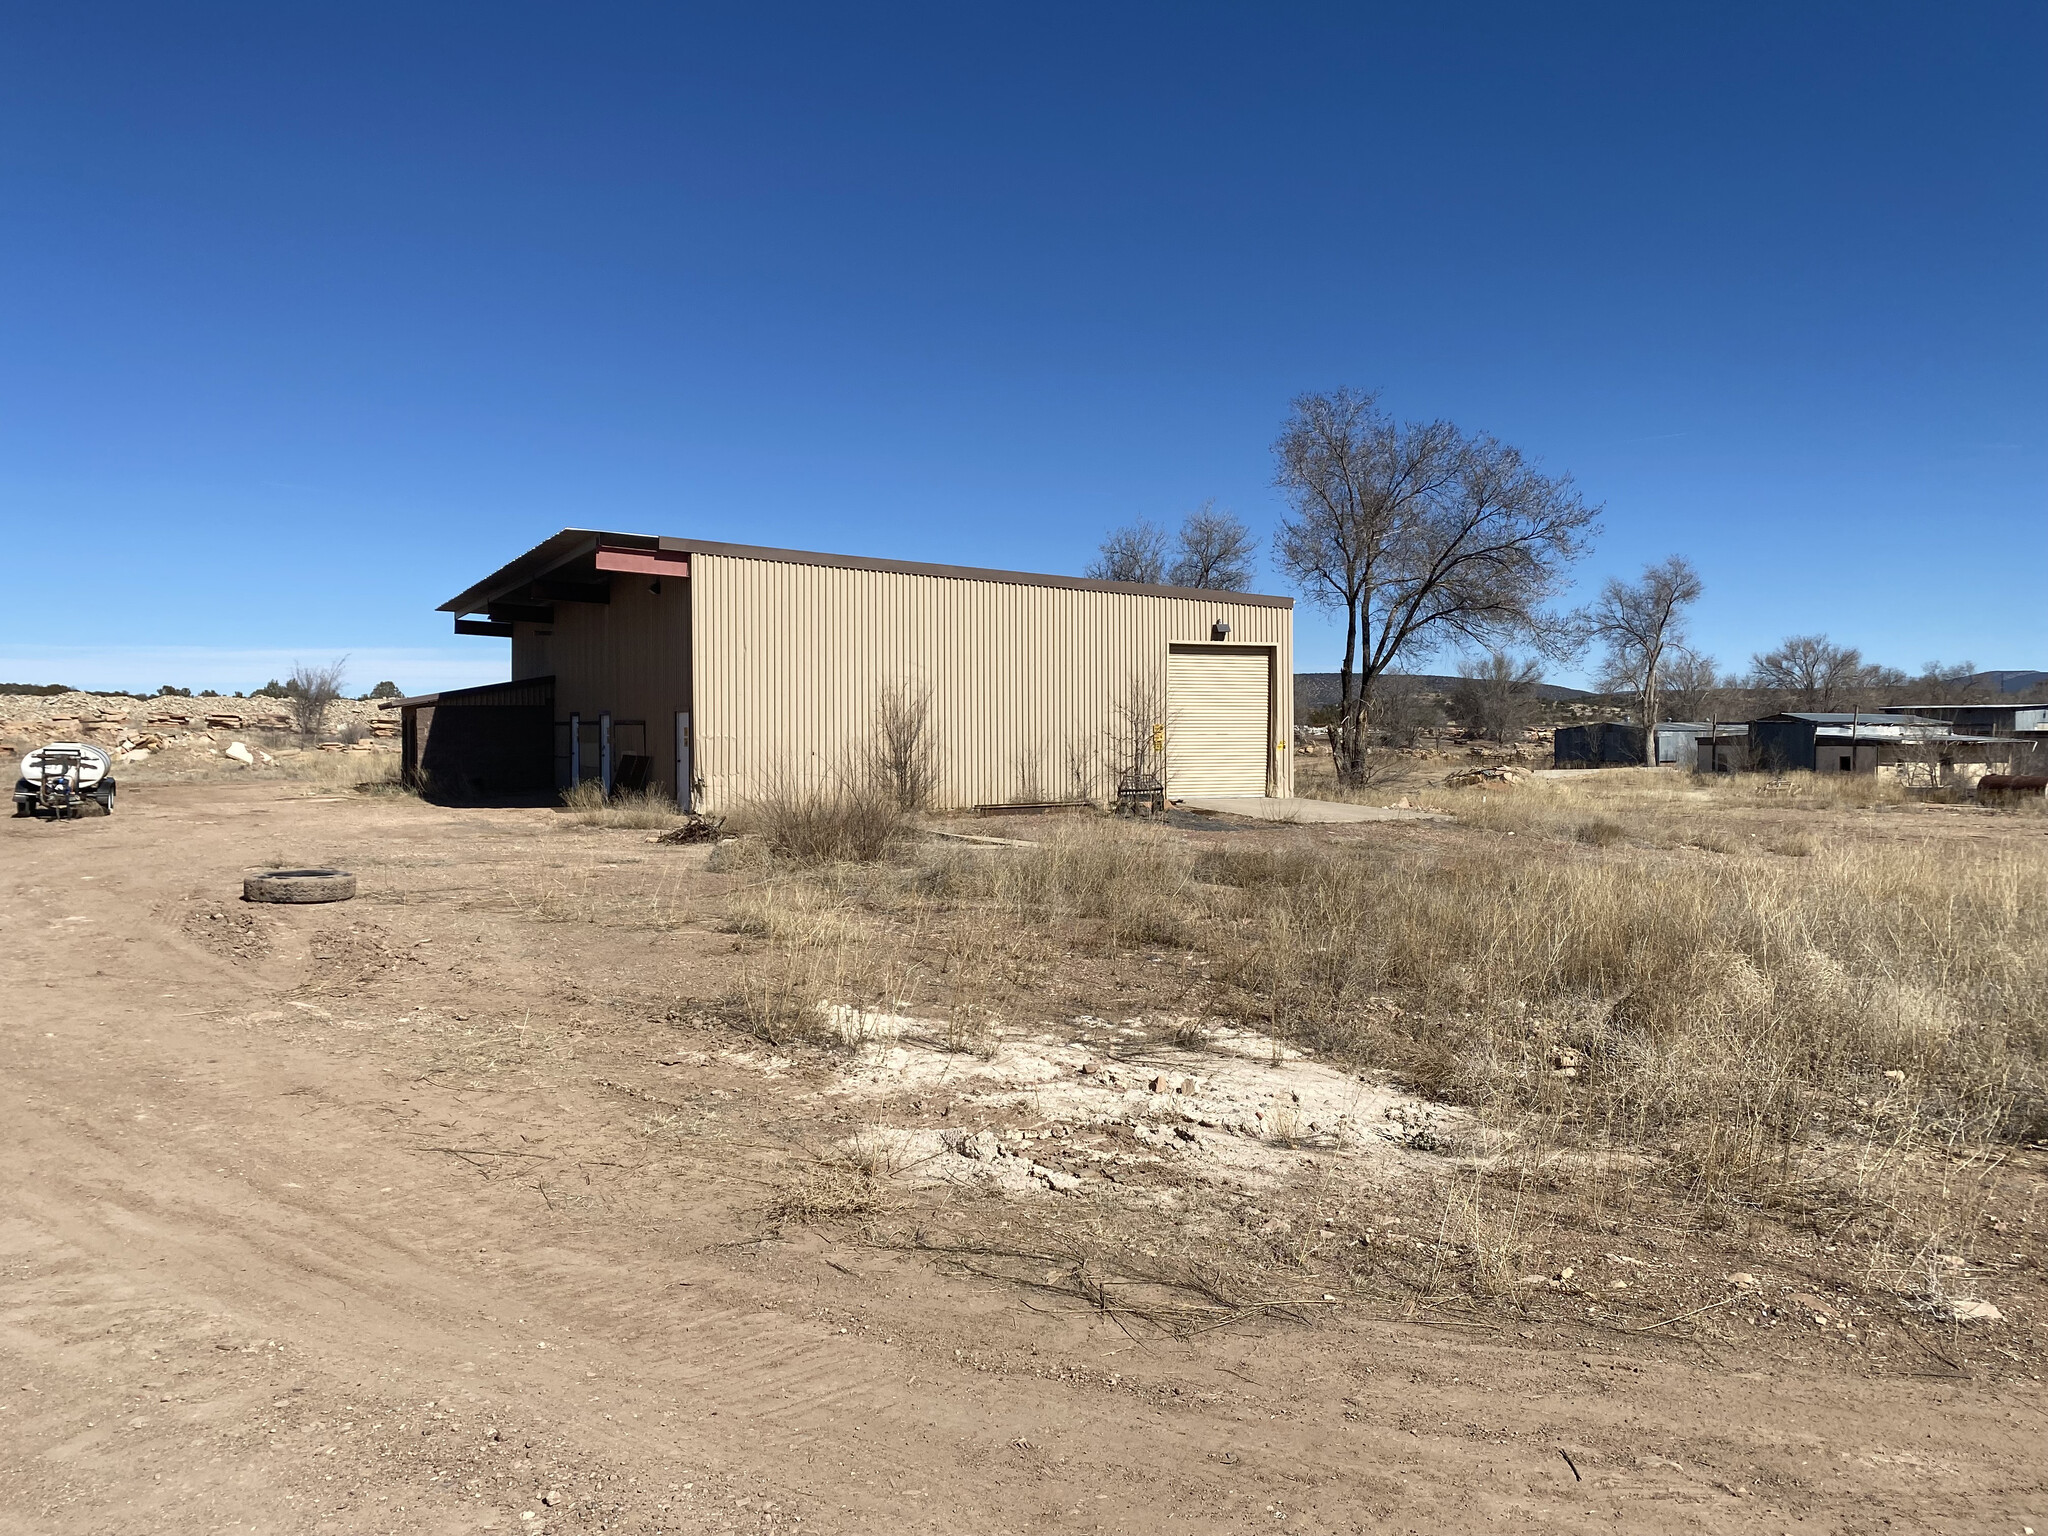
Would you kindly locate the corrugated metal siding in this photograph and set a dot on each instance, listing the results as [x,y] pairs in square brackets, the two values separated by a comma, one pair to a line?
[1218,703]
[630,656]
[793,661]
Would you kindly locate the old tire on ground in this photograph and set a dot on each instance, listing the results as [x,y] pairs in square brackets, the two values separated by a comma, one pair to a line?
[299,887]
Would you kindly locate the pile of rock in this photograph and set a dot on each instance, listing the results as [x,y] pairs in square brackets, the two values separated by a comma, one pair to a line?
[1498,773]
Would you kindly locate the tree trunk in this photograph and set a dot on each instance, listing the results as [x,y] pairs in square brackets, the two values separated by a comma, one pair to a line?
[1650,717]
[1347,738]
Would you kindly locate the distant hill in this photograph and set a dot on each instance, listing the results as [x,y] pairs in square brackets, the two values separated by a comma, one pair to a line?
[1322,690]
[2008,682]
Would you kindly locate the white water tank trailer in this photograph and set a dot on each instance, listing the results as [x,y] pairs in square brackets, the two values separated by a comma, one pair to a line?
[62,778]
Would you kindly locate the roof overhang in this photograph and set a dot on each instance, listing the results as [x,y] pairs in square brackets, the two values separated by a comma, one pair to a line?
[581,558]
[572,552]
[480,693]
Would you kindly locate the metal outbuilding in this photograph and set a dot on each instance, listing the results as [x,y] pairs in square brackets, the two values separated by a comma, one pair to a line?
[1601,744]
[480,743]
[736,671]
[2030,720]
[1917,751]
[1617,744]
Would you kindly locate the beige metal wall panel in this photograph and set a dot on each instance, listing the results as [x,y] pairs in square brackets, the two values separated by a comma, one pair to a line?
[630,656]
[1219,732]
[793,662]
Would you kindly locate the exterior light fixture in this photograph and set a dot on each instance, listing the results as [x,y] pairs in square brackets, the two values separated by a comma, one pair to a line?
[1220,630]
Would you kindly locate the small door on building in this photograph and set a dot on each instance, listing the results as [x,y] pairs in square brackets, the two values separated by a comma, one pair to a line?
[1218,722]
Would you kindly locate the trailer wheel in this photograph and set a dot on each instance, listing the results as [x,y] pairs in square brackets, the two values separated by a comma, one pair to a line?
[299,887]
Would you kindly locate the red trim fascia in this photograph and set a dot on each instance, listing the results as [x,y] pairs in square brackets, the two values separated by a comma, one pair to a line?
[642,562]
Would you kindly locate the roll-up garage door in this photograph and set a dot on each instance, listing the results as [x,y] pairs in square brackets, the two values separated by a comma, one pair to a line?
[1216,731]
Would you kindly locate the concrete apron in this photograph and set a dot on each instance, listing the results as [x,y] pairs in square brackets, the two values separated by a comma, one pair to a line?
[1272,808]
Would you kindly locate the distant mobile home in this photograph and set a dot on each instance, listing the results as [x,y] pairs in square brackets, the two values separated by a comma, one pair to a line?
[721,672]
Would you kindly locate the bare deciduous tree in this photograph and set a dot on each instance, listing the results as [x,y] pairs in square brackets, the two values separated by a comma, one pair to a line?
[1496,695]
[1215,551]
[1640,623]
[1420,535]
[1692,685]
[1134,552]
[1945,682]
[1810,672]
[312,690]
[1402,709]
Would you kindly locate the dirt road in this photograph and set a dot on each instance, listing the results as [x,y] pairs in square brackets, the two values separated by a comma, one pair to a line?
[388,1217]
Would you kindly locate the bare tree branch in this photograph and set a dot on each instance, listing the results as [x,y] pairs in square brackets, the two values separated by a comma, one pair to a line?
[1216,550]
[1134,552]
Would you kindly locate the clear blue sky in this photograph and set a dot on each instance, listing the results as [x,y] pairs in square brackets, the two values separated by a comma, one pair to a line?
[311,315]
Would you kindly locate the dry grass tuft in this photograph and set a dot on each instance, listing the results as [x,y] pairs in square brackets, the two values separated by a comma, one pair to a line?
[825,1191]
[643,810]
[1130,880]
[857,823]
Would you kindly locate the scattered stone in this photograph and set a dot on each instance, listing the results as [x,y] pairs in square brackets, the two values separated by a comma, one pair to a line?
[1053,1179]
[1974,1312]
[1742,1277]
[240,753]
[979,1146]
[1469,778]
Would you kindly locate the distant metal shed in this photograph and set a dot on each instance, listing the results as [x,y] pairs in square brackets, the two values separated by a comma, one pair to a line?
[1602,744]
[487,742]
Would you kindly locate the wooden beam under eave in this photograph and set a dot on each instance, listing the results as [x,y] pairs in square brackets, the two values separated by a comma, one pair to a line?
[643,562]
[483,627]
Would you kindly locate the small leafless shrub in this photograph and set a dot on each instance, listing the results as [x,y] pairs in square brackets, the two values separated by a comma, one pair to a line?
[903,757]
[1398,711]
[311,691]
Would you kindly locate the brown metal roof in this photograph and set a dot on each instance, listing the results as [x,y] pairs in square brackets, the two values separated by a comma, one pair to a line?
[523,690]
[573,544]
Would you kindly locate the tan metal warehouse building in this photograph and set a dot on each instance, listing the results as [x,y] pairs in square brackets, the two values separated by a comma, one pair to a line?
[736,671]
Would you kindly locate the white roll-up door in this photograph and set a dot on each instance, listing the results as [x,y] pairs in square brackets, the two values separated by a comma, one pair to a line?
[1217,722]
